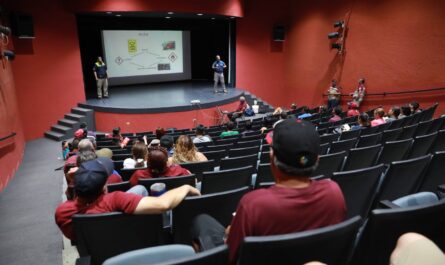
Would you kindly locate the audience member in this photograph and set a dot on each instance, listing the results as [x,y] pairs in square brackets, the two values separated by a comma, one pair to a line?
[414,106]
[293,108]
[242,106]
[139,155]
[359,93]
[158,167]
[353,110]
[333,95]
[406,111]
[86,145]
[230,126]
[248,127]
[363,122]
[79,134]
[88,155]
[305,113]
[186,152]
[379,113]
[118,139]
[105,152]
[393,114]
[303,204]
[89,185]
[65,149]
[201,137]
[337,112]
[159,132]
[167,141]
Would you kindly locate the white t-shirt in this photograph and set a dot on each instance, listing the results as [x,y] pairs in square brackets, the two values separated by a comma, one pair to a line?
[131,163]
[202,139]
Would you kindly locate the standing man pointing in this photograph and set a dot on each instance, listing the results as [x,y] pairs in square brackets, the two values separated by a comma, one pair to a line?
[218,66]
[100,73]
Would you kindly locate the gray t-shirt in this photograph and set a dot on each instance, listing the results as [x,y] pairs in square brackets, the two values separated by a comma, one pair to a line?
[202,139]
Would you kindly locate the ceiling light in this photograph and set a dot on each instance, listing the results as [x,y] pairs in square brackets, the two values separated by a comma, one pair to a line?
[118,15]
[167,17]
[170,13]
[109,12]
[199,14]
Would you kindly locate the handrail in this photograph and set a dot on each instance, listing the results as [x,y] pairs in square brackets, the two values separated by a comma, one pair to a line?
[398,92]
[9,136]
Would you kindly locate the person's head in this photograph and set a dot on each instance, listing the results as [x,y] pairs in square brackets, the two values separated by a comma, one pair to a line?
[361,81]
[91,177]
[242,99]
[334,83]
[85,145]
[159,132]
[64,144]
[79,134]
[353,105]
[139,151]
[293,106]
[75,144]
[230,126]
[117,132]
[167,141]
[394,111]
[99,59]
[200,130]
[248,125]
[337,111]
[363,119]
[83,125]
[217,57]
[157,159]
[184,145]
[295,147]
[305,109]
[379,113]
[105,152]
[283,115]
[84,156]
[414,106]
[406,110]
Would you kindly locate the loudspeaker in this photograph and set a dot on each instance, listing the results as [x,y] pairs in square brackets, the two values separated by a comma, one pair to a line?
[278,33]
[22,25]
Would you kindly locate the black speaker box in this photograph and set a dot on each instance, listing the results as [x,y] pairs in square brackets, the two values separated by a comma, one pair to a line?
[278,33]
[22,25]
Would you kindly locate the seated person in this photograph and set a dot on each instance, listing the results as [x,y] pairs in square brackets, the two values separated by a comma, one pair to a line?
[158,167]
[379,113]
[230,126]
[139,154]
[406,111]
[91,196]
[186,152]
[167,141]
[117,138]
[201,137]
[304,204]
[65,149]
[293,108]
[353,110]
[159,132]
[393,114]
[248,127]
[337,112]
[242,106]
[305,113]
[363,122]
[414,106]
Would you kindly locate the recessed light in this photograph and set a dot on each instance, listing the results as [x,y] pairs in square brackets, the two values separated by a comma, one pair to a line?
[232,17]
[109,12]
[170,13]
[118,15]
[167,17]
[199,14]
[213,18]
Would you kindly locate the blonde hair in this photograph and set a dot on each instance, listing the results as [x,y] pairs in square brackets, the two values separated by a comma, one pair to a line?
[185,150]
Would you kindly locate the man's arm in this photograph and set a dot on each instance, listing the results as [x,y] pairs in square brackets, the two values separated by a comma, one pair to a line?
[165,202]
[95,74]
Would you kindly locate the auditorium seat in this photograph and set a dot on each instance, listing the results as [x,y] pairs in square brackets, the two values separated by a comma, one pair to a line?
[126,173]
[369,130]
[331,245]
[359,188]
[349,135]
[403,177]
[340,146]
[264,174]
[246,144]
[198,167]
[437,125]
[422,145]
[434,175]
[329,138]
[217,147]
[105,235]
[362,157]
[423,127]
[251,137]
[382,127]
[240,161]
[170,182]
[224,180]
[329,164]
[395,151]
[123,186]
[218,205]
[408,132]
[235,152]
[324,148]
[215,155]
[439,143]
[369,139]
[385,226]
[395,124]
[226,141]
[391,135]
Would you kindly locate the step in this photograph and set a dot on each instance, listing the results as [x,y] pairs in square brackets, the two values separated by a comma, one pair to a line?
[54,135]
[60,128]
[74,117]
[67,123]
[80,111]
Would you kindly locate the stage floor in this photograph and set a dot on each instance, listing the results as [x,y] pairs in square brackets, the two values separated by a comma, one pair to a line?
[162,97]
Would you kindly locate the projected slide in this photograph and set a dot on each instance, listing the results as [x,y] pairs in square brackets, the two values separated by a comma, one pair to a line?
[133,53]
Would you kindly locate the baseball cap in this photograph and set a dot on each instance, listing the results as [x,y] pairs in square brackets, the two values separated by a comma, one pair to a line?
[167,141]
[104,152]
[92,175]
[295,143]
[78,133]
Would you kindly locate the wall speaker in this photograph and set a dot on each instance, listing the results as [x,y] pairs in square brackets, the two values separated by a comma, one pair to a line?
[279,33]
[22,25]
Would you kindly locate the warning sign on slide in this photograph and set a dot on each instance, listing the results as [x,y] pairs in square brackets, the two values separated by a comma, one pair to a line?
[131,53]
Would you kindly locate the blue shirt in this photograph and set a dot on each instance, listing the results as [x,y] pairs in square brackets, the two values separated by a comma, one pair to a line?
[218,66]
[101,70]
[305,115]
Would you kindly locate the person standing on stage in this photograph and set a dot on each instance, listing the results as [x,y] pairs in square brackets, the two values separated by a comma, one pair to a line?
[359,93]
[333,95]
[100,73]
[218,66]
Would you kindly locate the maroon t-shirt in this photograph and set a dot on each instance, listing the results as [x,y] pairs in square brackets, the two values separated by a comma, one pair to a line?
[172,171]
[117,201]
[353,112]
[280,210]
[335,118]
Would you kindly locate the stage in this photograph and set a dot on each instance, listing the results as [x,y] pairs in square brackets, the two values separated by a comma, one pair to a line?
[162,98]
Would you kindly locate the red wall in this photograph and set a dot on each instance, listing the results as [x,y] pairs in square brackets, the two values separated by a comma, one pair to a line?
[105,122]
[11,151]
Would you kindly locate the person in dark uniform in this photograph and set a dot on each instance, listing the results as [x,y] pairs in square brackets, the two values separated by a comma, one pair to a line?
[218,66]
[100,73]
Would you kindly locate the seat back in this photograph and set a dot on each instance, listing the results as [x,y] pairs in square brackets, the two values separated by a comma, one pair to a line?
[215,256]
[359,188]
[244,151]
[437,124]
[224,180]
[408,132]
[369,139]
[215,147]
[395,151]
[329,138]
[439,143]
[330,163]
[198,167]
[434,175]
[330,245]
[105,235]
[369,130]
[218,205]
[264,174]
[170,182]
[340,146]
[324,148]
[123,186]
[362,157]
[423,127]
[422,145]
[265,157]
[350,135]
[126,173]
[240,161]
[251,143]
[391,135]
[385,226]
[215,155]
[395,124]
[403,177]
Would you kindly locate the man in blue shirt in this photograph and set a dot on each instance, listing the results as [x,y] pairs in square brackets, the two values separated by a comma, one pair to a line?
[100,73]
[218,66]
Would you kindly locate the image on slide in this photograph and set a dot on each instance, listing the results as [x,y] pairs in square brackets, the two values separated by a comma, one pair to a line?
[133,53]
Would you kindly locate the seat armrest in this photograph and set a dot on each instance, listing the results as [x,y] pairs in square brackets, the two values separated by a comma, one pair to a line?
[386,204]
[85,260]
[441,188]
